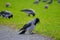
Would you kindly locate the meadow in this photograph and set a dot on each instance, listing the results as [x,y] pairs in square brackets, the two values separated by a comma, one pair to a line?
[49,18]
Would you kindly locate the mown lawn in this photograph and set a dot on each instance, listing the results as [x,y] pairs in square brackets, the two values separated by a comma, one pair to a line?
[50,18]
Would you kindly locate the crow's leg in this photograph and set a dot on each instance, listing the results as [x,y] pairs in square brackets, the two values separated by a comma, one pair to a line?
[30,32]
[28,14]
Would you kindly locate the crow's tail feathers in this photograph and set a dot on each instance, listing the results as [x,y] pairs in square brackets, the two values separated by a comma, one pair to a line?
[21,29]
[22,32]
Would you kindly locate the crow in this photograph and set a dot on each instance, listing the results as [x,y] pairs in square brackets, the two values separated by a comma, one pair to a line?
[6,14]
[7,4]
[51,1]
[37,1]
[44,0]
[58,1]
[29,27]
[29,12]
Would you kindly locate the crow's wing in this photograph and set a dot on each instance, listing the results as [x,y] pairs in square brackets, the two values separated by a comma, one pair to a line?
[27,10]
[25,26]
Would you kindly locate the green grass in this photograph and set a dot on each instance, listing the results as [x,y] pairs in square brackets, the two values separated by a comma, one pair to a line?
[50,18]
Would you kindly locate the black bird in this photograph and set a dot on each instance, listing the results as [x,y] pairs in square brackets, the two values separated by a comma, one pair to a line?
[7,4]
[6,14]
[51,1]
[58,1]
[44,0]
[29,12]
[37,1]
[46,7]
[29,27]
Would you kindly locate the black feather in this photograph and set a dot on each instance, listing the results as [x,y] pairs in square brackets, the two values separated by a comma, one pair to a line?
[23,32]
[25,26]
[26,10]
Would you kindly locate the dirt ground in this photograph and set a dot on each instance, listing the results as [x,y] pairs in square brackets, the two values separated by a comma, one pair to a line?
[9,34]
